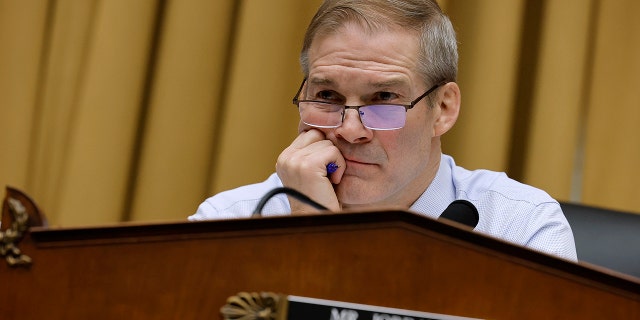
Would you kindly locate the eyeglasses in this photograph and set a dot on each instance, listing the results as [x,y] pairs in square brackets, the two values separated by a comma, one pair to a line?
[323,114]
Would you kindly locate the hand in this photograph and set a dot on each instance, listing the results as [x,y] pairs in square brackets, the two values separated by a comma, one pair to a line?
[303,166]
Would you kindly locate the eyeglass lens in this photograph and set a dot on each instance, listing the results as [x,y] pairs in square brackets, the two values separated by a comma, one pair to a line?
[377,117]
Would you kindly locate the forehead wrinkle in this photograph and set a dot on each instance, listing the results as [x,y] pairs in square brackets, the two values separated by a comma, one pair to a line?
[387,83]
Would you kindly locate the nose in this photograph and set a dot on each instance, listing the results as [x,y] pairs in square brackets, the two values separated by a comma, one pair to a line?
[352,130]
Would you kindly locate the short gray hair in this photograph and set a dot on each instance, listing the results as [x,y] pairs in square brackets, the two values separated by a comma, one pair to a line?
[438,57]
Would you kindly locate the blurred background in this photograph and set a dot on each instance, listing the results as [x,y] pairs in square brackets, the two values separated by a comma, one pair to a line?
[120,110]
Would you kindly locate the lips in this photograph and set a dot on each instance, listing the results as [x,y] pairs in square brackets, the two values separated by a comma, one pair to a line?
[356,159]
[358,167]
[357,162]
[360,157]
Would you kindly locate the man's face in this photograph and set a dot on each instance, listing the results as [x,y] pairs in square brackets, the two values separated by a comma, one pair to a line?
[353,67]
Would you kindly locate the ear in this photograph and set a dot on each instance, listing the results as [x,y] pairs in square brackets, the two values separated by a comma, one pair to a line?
[448,105]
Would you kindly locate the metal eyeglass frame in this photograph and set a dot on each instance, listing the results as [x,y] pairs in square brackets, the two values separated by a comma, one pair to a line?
[412,104]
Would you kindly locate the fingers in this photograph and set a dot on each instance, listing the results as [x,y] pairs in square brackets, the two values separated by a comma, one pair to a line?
[303,166]
[311,152]
[307,137]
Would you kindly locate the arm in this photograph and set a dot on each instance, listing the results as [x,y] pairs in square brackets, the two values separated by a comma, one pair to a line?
[552,233]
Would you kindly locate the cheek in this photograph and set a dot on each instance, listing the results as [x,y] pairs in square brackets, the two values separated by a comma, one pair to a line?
[403,149]
[394,144]
[302,127]
[412,144]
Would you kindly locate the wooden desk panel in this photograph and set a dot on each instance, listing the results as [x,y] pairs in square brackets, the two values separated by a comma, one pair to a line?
[392,259]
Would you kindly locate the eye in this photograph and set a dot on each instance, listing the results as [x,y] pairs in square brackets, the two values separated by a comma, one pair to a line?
[328,95]
[385,96]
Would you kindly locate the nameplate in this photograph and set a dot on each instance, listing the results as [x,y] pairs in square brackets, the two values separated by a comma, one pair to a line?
[303,308]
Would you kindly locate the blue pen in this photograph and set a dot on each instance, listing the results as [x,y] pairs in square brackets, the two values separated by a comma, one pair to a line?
[331,168]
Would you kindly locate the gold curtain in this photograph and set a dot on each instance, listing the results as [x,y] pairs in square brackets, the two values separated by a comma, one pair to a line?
[138,110]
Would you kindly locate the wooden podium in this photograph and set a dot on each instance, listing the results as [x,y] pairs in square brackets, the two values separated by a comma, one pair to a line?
[394,259]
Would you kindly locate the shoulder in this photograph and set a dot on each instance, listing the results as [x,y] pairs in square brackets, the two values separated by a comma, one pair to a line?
[479,184]
[495,189]
[240,202]
[515,211]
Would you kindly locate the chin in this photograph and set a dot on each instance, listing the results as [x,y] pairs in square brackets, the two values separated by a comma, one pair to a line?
[353,192]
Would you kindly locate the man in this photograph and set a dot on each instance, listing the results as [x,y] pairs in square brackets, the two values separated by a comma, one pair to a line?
[393,64]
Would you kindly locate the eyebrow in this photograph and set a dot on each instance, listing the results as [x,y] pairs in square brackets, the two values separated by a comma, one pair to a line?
[388,83]
[322,81]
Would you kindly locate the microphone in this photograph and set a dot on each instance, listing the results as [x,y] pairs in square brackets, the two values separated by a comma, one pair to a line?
[461,211]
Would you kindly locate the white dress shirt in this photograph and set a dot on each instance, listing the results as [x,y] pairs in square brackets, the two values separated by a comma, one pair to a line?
[508,209]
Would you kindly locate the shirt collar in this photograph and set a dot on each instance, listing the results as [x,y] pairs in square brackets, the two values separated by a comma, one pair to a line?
[439,194]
